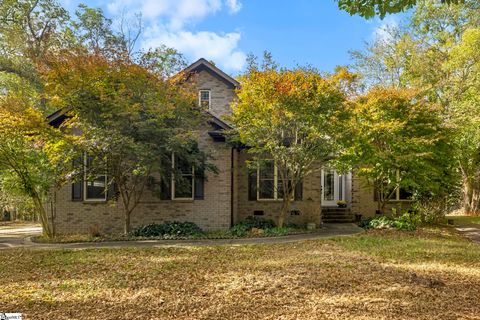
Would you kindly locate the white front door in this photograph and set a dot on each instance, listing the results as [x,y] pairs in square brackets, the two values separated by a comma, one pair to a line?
[333,187]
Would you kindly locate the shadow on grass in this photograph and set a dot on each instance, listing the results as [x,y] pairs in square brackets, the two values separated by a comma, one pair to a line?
[371,276]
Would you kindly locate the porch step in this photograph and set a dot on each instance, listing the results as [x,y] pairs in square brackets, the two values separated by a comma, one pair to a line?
[336,214]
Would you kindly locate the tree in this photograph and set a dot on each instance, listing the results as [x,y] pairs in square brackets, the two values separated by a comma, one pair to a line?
[396,142]
[26,167]
[464,114]
[29,29]
[292,116]
[371,8]
[131,120]
[429,56]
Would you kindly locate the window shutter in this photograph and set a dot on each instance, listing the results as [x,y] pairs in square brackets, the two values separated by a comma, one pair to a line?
[252,184]
[166,188]
[77,186]
[112,191]
[199,186]
[299,191]
[77,191]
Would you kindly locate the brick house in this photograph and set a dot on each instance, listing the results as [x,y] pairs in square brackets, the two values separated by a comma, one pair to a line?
[223,198]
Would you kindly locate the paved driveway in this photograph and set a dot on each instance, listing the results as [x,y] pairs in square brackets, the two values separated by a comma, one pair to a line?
[471,231]
[12,235]
[15,237]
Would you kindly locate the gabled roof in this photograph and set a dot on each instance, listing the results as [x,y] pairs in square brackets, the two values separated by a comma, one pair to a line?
[203,64]
[56,119]
[218,123]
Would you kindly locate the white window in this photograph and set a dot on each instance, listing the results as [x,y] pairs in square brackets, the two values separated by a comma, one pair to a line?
[395,193]
[95,189]
[269,182]
[204,99]
[182,179]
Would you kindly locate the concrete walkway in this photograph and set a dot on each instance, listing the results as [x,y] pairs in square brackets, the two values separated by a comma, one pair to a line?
[16,240]
[12,235]
[471,231]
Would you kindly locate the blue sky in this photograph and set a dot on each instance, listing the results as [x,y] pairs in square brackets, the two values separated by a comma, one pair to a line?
[296,32]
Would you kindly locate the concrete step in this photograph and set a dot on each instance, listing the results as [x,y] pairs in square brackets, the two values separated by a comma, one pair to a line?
[335,209]
[337,215]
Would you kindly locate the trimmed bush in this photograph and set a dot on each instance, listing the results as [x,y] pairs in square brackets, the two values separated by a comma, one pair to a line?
[173,229]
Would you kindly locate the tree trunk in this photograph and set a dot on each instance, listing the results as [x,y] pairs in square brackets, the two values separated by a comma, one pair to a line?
[42,213]
[127,222]
[53,211]
[284,211]
[471,197]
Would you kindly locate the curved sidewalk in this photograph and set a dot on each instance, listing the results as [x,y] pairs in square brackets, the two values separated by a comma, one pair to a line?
[329,230]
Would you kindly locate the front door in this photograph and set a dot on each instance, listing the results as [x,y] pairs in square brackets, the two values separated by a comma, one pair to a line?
[333,187]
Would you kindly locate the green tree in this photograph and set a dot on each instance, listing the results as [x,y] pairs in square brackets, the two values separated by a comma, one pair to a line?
[293,117]
[464,114]
[29,29]
[371,8]
[426,53]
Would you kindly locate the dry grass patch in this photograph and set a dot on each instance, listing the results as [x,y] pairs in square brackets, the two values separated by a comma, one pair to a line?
[428,274]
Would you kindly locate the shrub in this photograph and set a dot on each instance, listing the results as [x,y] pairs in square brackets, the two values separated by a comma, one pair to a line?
[173,229]
[381,223]
[408,221]
[243,227]
[239,230]
[277,231]
[365,223]
[258,222]
[431,211]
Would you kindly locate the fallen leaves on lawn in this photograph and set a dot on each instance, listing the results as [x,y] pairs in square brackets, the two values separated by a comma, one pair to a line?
[378,275]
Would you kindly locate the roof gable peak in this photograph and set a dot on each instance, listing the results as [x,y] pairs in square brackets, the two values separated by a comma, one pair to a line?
[202,62]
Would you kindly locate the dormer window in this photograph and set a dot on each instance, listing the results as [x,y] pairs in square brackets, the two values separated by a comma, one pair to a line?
[204,99]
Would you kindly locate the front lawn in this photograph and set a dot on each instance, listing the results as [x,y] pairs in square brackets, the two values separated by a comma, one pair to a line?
[426,274]
[459,220]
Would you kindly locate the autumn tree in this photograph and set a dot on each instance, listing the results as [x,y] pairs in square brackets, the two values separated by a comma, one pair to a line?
[292,116]
[131,120]
[397,141]
[31,155]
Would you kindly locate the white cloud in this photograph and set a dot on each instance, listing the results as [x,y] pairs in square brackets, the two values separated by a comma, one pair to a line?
[177,12]
[170,22]
[221,48]
[234,5]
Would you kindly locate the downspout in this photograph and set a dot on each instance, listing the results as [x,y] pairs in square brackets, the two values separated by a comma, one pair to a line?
[232,176]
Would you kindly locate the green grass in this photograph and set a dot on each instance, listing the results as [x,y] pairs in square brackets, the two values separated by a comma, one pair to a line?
[465,219]
[427,274]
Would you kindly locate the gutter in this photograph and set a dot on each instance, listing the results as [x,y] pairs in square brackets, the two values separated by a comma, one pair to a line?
[232,176]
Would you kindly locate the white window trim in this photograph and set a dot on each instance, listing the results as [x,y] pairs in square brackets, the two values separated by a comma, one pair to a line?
[209,97]
[173,183]
[85,183]
[275,184]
